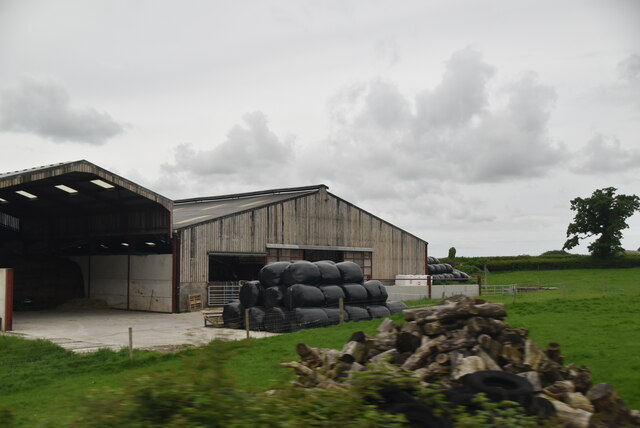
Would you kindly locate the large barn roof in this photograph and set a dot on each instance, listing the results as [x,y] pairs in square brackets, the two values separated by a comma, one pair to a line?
[187,212]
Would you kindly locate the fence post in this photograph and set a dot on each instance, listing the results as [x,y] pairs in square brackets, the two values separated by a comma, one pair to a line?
[246,322]
[341,309]
[480,287]
[130,344]
[429,284]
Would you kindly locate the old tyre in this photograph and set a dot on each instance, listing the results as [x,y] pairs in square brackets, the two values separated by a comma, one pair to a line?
[499,386]
[419,415]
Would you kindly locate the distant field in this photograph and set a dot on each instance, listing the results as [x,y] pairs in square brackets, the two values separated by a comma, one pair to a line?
[594,315]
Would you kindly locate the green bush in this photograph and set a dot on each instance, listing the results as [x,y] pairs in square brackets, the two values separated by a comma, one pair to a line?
[544,262]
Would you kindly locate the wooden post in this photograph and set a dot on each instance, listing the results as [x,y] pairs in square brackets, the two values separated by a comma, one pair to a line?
[246,322]
[341,309]
[130,344]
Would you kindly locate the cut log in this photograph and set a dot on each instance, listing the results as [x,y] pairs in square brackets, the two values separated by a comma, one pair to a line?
[559,389]
[308,355]
[534,380]
[385,340]
[578,401]
[408,342]
[512,354]
[354,352]
[384,356]
[387,326]
[434,371]
[446,311]
[515,336]
[458,339]
[492,310]
[581,377]
[534,358]
[570,416]
[488,361]
[481,325]
[468,365]
[438,327]
[423,354]
[442,359]
[411,327]
[609,405]
[553,352]
[358,336]
[492,347]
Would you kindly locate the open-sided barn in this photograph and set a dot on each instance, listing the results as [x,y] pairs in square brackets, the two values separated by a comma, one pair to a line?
[75,230]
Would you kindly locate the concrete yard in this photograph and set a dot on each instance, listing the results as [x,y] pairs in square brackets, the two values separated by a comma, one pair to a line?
[90,330]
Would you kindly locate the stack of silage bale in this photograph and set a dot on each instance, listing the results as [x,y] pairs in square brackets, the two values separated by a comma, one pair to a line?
[439,270]
[302,294]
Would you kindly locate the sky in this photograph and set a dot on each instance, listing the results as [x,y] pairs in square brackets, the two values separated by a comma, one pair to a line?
[471,124]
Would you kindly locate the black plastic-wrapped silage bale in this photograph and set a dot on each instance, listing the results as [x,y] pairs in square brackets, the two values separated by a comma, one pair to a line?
[333,314]
[303,296]
[233,315]
[448,268]
[376,292]
[395,307]
[378,311]
[277,320]
[256,318]
[357,313]
[350,272]
[273,296]
[332,294]
[310,317]
[251,294]
[329,273]
[355,294]
[301,272]
[270,275]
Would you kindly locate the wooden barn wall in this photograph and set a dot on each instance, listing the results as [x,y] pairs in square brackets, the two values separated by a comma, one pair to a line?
[317,219]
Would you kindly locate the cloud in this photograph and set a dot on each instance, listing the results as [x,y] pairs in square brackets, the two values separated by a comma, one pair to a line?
[460,96]
[251,153]
[450,133]
[605,155]
[629,68]
[43,108]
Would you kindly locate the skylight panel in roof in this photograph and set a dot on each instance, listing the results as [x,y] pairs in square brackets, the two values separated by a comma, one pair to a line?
[67,189]
[26,194]
[103,184]
[253,203]
[3,201]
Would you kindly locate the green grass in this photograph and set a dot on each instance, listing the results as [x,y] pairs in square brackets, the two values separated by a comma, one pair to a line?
[594,315]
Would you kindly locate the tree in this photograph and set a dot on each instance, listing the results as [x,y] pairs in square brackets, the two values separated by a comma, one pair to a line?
[604,214]
[452,253]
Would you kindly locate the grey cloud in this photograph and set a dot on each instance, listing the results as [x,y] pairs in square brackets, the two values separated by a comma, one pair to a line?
[629,68]
[605,155]
[250,151]
[461,95]
[44,108]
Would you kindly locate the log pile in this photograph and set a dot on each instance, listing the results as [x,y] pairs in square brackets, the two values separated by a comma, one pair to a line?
[458,337]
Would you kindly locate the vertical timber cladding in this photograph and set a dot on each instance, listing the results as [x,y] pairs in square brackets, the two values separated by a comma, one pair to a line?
[316,219]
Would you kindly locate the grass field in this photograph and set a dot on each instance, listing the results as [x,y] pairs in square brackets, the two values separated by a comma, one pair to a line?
[594,315]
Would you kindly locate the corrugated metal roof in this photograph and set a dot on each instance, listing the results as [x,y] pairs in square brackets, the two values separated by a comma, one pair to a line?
[34,169]
[187,212]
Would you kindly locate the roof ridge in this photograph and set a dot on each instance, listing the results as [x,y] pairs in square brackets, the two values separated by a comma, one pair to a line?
[250,194]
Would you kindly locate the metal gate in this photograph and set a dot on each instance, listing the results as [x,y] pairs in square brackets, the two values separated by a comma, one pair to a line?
[222,292]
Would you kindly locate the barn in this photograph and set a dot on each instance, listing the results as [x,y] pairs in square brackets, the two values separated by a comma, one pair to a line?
[77,231]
